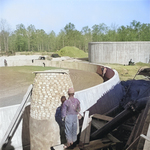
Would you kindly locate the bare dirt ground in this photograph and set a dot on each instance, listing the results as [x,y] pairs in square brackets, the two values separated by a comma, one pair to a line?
[12,89]
[83,79]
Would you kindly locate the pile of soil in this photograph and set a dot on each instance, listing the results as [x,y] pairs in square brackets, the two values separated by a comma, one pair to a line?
[72,51]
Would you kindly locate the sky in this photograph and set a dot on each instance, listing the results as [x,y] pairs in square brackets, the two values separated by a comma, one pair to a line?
[56,14]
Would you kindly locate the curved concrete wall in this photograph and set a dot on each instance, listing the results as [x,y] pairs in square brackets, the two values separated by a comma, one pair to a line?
[21,136]
[101,98]
[119,52]
[97,99]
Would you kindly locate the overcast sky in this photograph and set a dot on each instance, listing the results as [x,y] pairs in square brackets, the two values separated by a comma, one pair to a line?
[55,14]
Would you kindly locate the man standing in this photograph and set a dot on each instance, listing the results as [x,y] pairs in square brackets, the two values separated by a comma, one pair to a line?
[5,62]
[60,122]
[70,110]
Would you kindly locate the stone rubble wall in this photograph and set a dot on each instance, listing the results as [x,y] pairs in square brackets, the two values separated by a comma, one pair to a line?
[47,91]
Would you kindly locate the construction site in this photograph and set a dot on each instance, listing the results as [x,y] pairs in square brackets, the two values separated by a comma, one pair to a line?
[115,114]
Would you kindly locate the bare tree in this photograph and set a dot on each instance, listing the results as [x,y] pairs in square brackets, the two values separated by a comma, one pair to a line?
[4,35]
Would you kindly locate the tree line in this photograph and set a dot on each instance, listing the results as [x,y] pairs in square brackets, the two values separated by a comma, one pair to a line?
[32,39]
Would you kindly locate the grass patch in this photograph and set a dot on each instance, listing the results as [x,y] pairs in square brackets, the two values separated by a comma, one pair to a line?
[72,52]
[128,72]
[19,74]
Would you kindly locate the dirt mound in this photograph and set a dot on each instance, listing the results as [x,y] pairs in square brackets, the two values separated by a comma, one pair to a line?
[72,52]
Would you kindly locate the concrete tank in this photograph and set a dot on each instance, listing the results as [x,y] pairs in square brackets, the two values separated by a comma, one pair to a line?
[48,88]
[119,52]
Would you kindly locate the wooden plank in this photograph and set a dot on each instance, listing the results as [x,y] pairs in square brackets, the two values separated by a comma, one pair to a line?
[147,142]
[127,127]
[132,135]
[98,124]
[145,125]
[112,138]
[133,143]
[96,144]
[142,124]
[84,126]
[88,131]
[102,117]
[59,147]
[17,118]
[139,127]
[145,137]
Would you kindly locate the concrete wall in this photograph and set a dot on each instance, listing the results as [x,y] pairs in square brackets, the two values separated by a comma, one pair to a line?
[18,60]
[21,136]
[101,98]
[119,52]
[97,99]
